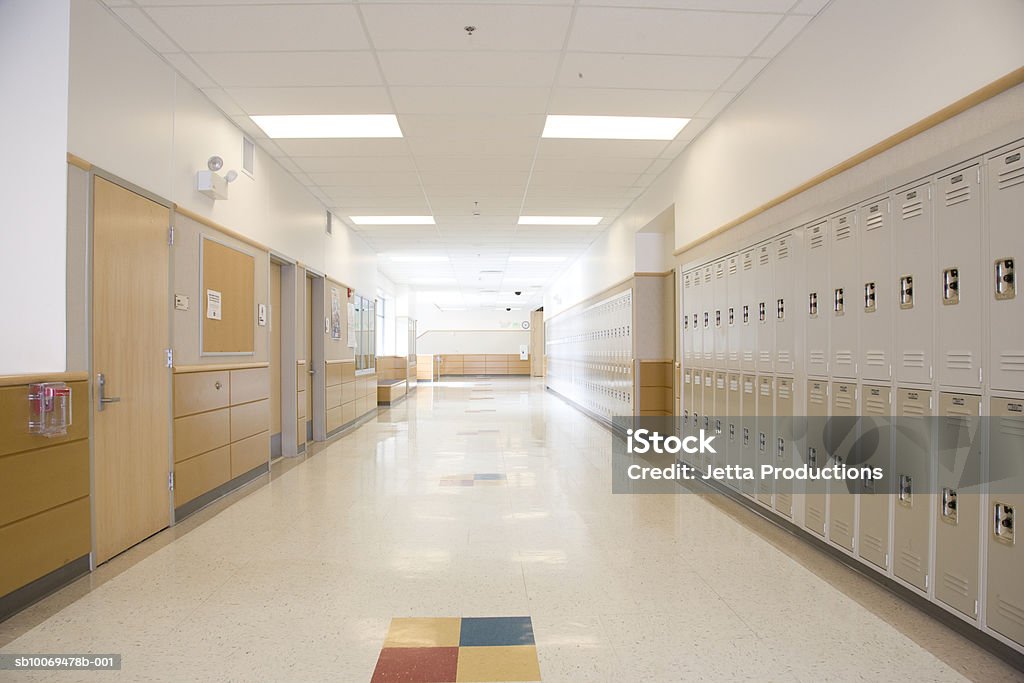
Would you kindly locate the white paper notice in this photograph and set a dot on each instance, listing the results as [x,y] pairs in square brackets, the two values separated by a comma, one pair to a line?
[213,304]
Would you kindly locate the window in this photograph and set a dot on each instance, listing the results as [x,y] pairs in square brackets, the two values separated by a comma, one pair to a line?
[380,306]
[365,324]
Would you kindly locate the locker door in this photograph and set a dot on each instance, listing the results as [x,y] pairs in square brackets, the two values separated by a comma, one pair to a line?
[782,309]
[706,417]
[914,283]
[696,318]
[732,313]
[817,417]
[842,435]
[875,495]
[686,330]
[844,314]
[958,308]
[720,315]
[1004,589]
[721,415]
[876,293]
[696,415]
[707,296]
[763,308]
[765,452]
[687,396]
[748,429]
[747,314]
[817,303]
[912,471]
[1006,248]
[958,504]
[783,444]
[733,427]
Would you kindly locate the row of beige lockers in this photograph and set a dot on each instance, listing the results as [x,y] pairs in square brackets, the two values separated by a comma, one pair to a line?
[928,523]
[483,364]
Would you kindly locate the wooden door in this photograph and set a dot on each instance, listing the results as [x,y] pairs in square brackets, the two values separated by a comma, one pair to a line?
[131,333]
[275,358]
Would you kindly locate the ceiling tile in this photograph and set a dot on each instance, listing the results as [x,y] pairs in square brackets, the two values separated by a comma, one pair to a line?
[290,69]
[262,28]
[341,164]
[471,126]
[656,72]
[718,102]
[582,179]
[810,6]
[510,69]
[600,148]
[744,75]
[633,165]
[188,68]
[782,36]
[445,163]
[463,147]
[469,100]
[776,6]
[366,178]
[146,29]
[623,102]
[670,32]
[438,26]
[353,147]
[223,101]
[321,100]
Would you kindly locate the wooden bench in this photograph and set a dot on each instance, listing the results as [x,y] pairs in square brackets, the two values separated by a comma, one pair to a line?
[390,391]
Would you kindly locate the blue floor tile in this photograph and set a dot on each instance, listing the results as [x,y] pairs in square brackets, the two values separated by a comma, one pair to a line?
[496,631]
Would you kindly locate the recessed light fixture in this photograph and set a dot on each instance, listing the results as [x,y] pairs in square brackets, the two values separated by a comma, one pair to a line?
[330,126]
[419,259]
[613,127]
[536,259]
[559,220]
[392,220]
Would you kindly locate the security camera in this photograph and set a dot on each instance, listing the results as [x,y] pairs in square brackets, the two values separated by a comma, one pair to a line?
[508,308]
[519,293]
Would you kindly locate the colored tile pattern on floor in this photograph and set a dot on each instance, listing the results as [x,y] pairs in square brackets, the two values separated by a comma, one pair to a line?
[457,650]
[476,479]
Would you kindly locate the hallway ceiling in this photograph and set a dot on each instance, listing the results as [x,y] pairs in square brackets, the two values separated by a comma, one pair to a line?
[472,108]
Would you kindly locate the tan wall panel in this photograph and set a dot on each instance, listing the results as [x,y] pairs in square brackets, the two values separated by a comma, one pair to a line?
[335,418]
[35,481]
[196,476]
[496,357]
[45,542]
[249,453]
[202,432]
[249,419]
[655,398]
[348,392]
[334,374]
[14,414]
[300,404]
[334,396]
[250,385]
[300,431]
[348,371]
[656,374]
[348,412]
[197,392]
[474,358]
[301,375]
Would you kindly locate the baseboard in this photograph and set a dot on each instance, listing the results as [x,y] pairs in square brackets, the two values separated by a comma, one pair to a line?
[210,496]
[33,592]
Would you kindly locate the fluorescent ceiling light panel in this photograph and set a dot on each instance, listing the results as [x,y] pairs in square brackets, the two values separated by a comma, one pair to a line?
[559,220]
[330,126]
[392,220]
[613,127]
[419,259]
[536,259]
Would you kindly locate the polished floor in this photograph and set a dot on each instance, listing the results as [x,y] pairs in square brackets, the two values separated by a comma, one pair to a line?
[473,499]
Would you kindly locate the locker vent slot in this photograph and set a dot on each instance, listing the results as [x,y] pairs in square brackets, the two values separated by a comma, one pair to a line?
[844,359]
[912,209]
[784,392]
[748,262]
[875,220]
[817,357]
[1012,176]
[814,515]
[1012,612]
[841,526]
[1011,361]
[843,232]
[874,359]
[765,357]
[910,561]
[913,359]
[955,584]
[784,359]
[876,407]
[873,543]
[733,269]
[817,239]
[959,360]
[958,195]
[783,251]
[763,257]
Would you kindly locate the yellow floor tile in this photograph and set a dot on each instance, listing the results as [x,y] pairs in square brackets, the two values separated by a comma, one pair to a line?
[512,663]
[426,632]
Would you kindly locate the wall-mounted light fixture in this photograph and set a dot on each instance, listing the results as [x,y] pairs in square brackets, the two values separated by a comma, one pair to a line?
[213,184]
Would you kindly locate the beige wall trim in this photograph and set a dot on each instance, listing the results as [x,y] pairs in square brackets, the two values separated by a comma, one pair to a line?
[184,369]
[79,162]
[337,362]
[300,362]
[658,360]
[202,220]
[18,380]
[1000,85]
[661,274]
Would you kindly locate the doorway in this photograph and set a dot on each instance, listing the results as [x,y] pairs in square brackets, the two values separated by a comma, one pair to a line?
[276,332]
[132,382]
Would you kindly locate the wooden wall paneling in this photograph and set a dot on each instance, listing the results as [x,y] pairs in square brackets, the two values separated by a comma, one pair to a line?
[249,453]
[249,418]
[200,433]
[197,392]
[35,481]
[14,414]
[45,542]
[202,473]
[251,384]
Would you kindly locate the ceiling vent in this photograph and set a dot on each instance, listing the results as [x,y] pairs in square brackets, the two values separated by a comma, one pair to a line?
[330,223]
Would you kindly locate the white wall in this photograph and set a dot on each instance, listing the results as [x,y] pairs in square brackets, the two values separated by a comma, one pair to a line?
[33,184]
[478,341]
[470,331]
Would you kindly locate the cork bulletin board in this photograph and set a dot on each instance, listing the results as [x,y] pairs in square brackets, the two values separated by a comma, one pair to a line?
[227,301]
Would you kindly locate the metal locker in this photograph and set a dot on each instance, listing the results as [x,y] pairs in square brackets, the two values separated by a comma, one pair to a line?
[1004,611]
[842,426]
[763,308]
[733,428]
[844,313]
[707,297]
[707,422]
[720,315]
[1005,299]
[914,283]
[697,318]
[686,328]
[912,473]
[815,457]
[876,295]
[818,294]
[746,316]
[873,532]
[720,418]
[687,399]
[782,446]
[732,311]
[958,308]
[765,453]
[783,276]
[696,415]
[958,502]
[748,430]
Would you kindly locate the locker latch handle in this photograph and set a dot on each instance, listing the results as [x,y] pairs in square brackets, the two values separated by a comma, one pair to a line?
[746,314]
[707,423]
[761,316]
[870,302]
[907,291]
[812,304]
[780,309]
[707,320]
[780,447]
[906,486]
[732,432]
[950,286]
[949,505]
[1003,523]
[718,318]
[762,441]
[718,426]
[812,456]
[839,301]
[732,315]
[746,436]
[1006,283]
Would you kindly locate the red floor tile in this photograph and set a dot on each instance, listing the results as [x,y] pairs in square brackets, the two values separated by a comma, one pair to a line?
[416,665]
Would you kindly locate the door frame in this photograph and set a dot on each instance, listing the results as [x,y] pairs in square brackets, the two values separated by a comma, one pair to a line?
[286,321]
[316,364]
[90,230]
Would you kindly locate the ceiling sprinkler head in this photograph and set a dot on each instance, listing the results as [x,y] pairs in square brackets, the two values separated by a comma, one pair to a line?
[476,208]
